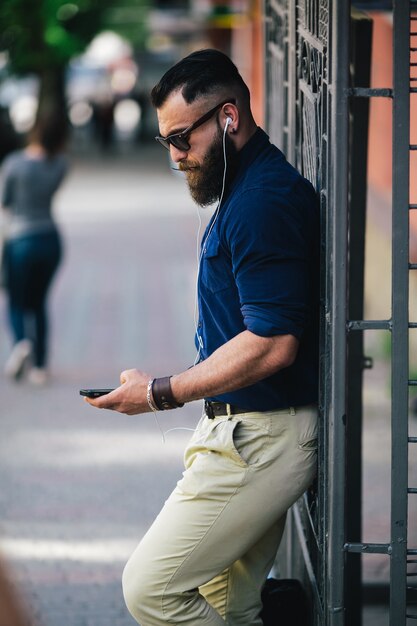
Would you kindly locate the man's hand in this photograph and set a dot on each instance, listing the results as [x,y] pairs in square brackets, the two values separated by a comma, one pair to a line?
[129,398]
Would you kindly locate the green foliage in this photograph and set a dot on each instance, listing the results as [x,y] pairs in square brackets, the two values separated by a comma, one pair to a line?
[43,35]
[128,20]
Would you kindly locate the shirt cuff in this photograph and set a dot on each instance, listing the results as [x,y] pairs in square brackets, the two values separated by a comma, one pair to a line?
[264,324]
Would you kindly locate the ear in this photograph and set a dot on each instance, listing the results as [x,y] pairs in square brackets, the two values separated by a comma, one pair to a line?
[230,112]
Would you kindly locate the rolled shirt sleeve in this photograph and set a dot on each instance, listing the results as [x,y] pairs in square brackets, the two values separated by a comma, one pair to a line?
[270,255]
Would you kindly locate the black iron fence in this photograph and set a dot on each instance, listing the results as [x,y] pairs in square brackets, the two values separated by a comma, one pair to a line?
[318,60]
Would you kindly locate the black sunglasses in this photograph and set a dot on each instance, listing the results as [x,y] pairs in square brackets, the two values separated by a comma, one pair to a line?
[179,140]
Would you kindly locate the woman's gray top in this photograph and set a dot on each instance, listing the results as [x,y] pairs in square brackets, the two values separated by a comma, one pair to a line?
[29,184]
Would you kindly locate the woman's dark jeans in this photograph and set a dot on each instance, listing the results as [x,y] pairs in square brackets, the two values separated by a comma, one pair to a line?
[30,263]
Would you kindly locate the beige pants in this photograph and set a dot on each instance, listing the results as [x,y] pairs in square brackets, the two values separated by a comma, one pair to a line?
[208,553]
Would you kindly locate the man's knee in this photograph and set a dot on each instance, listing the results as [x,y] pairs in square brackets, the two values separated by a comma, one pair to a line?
[145,590]
[150,600]
[139,590]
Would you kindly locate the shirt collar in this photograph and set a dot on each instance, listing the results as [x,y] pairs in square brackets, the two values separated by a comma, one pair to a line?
[251,149]
[246,156]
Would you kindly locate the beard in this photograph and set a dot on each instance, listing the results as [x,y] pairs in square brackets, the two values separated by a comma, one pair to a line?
[205,180]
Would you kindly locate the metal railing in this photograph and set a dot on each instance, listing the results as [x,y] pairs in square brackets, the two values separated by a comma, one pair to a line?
[310,113]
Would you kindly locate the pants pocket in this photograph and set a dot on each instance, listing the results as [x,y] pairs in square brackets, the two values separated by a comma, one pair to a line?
[308,445]
[307,429]
[231,439]
[250,440]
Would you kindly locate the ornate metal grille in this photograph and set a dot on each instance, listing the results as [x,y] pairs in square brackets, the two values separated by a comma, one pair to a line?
[277,71]
[309,116]
[310,64]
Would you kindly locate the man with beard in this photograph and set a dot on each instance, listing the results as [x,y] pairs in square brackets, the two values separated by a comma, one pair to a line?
[208,553]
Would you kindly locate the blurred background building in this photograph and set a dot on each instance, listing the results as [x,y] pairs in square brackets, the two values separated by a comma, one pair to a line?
[100,63]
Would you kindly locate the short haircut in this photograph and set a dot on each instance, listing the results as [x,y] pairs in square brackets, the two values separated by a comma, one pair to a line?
[201,73]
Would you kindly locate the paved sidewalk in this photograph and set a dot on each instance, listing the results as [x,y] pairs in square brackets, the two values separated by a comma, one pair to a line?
[79,487]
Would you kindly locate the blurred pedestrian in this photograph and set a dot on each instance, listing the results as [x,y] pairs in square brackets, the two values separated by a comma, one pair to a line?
[206,557]
[32,250]
[103,118]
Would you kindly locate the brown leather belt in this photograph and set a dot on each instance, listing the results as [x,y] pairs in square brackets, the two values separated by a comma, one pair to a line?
[218,409]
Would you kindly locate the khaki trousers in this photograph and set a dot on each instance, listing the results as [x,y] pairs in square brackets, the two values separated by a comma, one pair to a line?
[208,553]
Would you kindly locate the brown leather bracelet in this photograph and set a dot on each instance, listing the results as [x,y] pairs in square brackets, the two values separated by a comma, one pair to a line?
[162,394]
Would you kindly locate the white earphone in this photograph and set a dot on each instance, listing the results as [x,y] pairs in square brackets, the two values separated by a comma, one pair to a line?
[228,121]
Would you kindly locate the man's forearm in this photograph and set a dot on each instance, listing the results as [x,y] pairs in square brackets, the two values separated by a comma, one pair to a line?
[242,361]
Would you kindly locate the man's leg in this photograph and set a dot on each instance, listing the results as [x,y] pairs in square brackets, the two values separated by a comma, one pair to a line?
[235,593]
[241,476]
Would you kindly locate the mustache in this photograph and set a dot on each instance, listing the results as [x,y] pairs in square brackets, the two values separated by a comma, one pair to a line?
[185,167]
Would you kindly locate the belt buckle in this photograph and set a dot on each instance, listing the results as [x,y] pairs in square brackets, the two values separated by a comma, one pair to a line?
[209,409]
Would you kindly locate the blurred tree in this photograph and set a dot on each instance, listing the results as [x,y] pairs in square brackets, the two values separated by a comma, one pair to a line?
[42,36]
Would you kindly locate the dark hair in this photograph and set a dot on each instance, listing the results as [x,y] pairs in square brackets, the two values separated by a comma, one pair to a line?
[51,131]
[201,73]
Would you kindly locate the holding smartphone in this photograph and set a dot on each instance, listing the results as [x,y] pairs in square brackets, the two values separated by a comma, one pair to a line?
[94,393]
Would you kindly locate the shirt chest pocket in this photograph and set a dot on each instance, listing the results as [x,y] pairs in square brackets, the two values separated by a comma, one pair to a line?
[216,271]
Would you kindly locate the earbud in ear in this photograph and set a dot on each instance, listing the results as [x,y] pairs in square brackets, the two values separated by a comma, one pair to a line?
[228,121]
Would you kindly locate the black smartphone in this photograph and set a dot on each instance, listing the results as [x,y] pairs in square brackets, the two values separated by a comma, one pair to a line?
[94,393]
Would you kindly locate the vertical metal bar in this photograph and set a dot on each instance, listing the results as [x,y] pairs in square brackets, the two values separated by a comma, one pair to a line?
[337,405]
[265,12]
[290,546]
[292,82]
[361,43]
[400,288]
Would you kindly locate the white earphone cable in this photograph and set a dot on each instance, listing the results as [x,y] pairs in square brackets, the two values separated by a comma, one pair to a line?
[201,251]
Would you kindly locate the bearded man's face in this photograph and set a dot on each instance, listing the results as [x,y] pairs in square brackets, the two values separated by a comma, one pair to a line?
[205,179]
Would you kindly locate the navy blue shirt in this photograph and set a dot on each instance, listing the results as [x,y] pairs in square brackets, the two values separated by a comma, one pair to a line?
[259,271]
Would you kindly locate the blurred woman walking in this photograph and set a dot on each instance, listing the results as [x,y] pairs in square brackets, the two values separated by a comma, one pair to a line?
[33,247]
